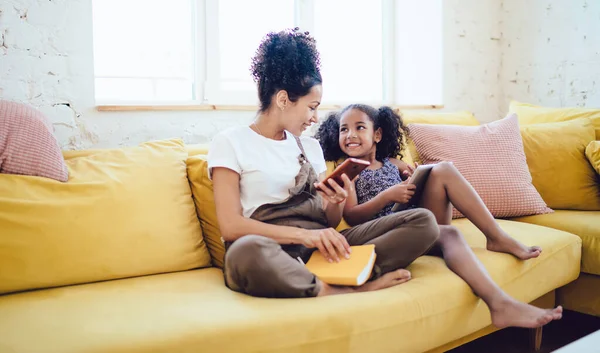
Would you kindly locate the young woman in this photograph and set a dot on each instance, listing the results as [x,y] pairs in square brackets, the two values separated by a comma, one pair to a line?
[265,179]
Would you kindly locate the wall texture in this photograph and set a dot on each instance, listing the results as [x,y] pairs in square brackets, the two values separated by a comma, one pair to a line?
[493,51]
[550,52]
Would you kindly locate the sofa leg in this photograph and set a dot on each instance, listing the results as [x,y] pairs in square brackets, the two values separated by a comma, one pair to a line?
[535,339]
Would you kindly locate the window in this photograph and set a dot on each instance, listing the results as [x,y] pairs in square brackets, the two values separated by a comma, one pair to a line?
[143,55]
[199,51]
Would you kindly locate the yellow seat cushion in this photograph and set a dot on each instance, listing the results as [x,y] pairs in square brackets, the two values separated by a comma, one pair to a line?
[592,152]
[122,213]
[585,224]
[463,118]
[560,171]
[202,191]
[193,311]
[533,114]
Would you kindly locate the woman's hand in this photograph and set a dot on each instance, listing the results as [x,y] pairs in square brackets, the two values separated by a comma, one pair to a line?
[401,193]
[329,242]
[333,192]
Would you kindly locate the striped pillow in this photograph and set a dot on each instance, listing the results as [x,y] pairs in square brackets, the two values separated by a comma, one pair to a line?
[490,157]
[27,143]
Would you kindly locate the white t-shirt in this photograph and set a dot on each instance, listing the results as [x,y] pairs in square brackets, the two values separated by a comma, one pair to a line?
[267,168]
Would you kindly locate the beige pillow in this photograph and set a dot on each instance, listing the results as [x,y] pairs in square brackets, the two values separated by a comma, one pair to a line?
[490,157]
[27,143]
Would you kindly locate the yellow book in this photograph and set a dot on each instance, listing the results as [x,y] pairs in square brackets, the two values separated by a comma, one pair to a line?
[354,271]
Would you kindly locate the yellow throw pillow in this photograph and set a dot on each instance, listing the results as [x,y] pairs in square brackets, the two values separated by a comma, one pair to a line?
[463,118]
[197,149]
[556,159]
[533,114]
[122,213]
[202,191]
[592,152]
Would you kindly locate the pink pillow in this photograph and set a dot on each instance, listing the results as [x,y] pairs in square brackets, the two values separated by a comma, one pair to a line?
[27,143]
[490,157]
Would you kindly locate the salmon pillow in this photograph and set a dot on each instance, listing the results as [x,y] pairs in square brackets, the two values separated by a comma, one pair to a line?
[27,143]
[491,157]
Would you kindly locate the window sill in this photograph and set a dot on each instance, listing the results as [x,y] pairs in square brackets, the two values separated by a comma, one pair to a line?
[209,107]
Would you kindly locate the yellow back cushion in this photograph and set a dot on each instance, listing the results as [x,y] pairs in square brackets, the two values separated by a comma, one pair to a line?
[533,114]
[592,152]
[560,170]
[197,149]
[463,118]
[202,191]
[122,213]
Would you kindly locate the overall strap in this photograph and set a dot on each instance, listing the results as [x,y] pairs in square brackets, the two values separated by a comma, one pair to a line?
[301,148]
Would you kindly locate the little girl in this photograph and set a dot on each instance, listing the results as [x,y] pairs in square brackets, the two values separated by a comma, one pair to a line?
[377,135]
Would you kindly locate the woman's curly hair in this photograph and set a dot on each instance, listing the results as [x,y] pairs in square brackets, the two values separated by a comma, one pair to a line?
[286,60]
[392,127]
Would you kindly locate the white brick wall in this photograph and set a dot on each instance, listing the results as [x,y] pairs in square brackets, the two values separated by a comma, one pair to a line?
[46,60]
[551,52]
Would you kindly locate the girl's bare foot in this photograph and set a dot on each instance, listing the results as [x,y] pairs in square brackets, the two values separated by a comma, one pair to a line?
[509,245]
[509,312]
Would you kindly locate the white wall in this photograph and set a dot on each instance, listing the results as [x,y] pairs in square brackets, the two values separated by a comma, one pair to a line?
[46,60]
[550,52]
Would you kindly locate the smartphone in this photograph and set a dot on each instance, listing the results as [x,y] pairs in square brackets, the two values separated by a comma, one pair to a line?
[351,167]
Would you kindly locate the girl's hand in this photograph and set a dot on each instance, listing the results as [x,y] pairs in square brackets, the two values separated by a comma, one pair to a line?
[333,192]
[401,193]
[409,171]
[329,242]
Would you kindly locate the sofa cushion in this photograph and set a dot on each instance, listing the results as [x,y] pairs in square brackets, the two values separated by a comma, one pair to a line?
[122,213]
[197,149]
[27,143]
[534,114]
[558,165]
[462,118]
[490,157]
[202,191]
[585,224]
[193,311]
[592,152]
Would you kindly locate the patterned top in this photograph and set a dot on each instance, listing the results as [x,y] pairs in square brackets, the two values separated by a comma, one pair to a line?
[371,182]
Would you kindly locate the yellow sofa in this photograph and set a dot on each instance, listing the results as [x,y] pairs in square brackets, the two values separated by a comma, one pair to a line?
[123,258]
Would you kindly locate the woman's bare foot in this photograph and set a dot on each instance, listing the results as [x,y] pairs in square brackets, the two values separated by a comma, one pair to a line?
[509,312]
[509,245]
[390,279]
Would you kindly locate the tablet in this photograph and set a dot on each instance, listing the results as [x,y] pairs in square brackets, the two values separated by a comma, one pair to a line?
[419,178]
